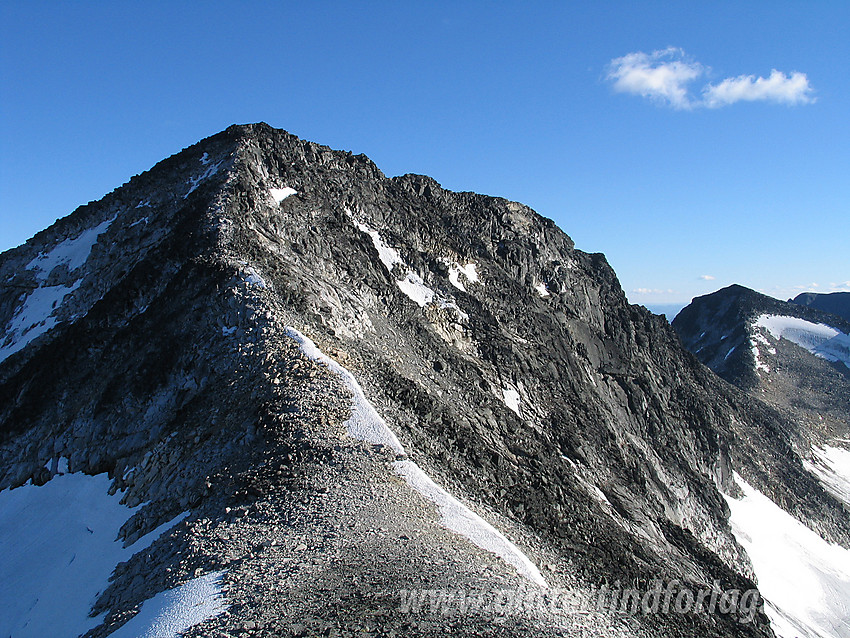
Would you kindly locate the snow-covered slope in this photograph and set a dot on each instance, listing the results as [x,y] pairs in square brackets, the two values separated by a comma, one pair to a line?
[60,546]
[804,579]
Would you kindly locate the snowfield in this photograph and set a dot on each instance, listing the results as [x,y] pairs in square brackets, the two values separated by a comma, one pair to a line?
[818,338]
[367,425]
[804,579]
[60,546]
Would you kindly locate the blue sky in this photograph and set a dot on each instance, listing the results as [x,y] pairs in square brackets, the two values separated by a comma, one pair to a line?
[653,132]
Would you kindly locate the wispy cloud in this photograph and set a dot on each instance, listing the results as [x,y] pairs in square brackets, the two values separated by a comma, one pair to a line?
[664,76]
[652,291]
[707,277]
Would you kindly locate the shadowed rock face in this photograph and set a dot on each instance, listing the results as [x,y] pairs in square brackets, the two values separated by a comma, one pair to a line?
[836,303]
[508,363]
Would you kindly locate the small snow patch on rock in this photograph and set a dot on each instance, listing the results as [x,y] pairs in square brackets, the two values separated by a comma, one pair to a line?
[511,398]
[469,271]
[280,194]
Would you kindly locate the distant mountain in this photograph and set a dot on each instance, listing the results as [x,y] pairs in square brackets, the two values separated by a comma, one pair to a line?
[726,332]
[262,389]
[792,356]
[837,303]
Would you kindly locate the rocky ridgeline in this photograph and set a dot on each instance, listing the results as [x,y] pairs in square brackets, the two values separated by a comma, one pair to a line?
[508,363]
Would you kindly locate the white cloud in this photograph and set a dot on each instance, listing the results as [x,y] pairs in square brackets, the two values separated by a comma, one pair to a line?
[707,277]
[793,88]
[661,75]
[664,76]
[652,291]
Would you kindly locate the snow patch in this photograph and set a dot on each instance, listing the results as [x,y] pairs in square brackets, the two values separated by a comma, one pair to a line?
[367,425]
[511,398]
[35,317]
[389,256]
[57,465]
[728,354]
[170,613]
[805,579]
[820,339]
[416,290]
[72,252]
[280,194]
[60,547]
[541,289]
[194,182]
[451,305]
[470,271]
[253,278]
[760,365]
[760,338]
[412,284]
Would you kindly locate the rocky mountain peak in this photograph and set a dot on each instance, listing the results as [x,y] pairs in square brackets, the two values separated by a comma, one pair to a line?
[321,379]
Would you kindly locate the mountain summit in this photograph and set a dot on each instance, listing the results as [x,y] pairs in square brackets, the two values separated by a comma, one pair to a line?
[309,399]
